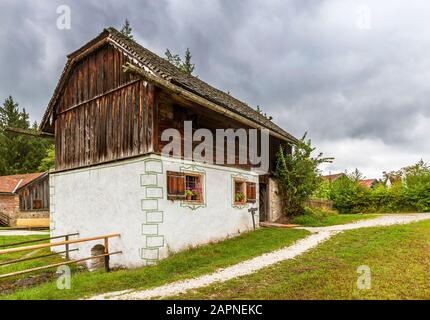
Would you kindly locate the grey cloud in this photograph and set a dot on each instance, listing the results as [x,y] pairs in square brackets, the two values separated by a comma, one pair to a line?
[305,62]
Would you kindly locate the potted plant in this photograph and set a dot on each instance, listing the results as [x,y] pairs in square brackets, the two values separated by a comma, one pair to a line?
[195,194]
[189,194]
[239,197]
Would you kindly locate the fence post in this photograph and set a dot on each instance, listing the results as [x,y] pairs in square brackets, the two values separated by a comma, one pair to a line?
[67,248]
[107,269]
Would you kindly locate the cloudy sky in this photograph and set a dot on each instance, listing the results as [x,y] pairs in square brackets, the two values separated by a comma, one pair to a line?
[354,74]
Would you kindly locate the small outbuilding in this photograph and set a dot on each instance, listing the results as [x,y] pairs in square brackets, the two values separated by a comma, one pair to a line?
[24,198]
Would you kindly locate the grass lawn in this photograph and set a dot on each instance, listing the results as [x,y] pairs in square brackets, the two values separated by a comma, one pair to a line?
[7,284]
[329,219]
[398,257]
[191,263]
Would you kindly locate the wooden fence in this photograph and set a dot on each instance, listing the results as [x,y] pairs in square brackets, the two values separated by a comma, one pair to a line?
[319,204]
[67,251]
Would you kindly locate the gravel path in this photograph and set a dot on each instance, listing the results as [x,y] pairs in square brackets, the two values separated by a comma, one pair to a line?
[319,235]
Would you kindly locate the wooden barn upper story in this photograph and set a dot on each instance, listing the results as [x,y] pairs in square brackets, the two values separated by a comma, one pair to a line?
[99,113]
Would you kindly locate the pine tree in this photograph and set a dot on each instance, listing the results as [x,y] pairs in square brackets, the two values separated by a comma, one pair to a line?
[126,29]
[184,64]
[18,153]
[187,66]
[11,117]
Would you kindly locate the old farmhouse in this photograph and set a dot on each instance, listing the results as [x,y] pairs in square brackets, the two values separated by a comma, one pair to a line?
[24,199]
[110,174]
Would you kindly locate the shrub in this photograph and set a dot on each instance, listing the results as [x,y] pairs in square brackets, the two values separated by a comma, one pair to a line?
[417,190]
[410,191]
[349,196]
[297,176]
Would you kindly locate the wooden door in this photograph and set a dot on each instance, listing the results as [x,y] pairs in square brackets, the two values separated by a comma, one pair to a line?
[263,196]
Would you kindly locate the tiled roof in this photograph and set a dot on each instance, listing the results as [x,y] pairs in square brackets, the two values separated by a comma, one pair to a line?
[176,76]
[9,184]
[368,182]
[332,177]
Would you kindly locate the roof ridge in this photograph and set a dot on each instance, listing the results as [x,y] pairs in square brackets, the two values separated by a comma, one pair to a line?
[171,73]
[125,41]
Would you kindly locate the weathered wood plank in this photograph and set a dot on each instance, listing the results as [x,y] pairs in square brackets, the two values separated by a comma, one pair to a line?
[104,114]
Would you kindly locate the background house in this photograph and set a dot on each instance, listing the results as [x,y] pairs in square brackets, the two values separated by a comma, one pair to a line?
[23,197]
[110,175]
[333,177]
[369,183]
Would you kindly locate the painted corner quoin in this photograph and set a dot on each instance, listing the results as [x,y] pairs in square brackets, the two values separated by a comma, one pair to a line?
[153,192]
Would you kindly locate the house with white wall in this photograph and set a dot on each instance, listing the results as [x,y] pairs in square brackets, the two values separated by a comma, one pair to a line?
[109,114]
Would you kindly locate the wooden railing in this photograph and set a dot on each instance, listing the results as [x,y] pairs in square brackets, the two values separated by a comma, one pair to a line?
[67,251]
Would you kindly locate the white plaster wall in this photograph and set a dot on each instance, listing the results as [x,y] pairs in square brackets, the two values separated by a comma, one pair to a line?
[130,198]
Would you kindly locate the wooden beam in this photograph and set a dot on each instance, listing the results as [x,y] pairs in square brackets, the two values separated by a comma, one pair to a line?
[25,132]
[9,262]
[55,244]
[37,240]
[56,265]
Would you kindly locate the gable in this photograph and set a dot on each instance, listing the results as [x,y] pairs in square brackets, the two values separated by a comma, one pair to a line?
[95,75]
[100,113]
[161,69]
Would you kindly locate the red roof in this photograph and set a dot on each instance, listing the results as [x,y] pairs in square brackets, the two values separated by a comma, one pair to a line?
[367,182]
[332,177]
[9,184]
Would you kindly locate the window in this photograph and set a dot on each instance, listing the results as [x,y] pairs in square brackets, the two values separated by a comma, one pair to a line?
[185,186]
[37,204]
[251,192]
[239,191]
[193,187]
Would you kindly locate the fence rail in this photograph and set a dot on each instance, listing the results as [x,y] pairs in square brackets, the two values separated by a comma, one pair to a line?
[320,204]
[66,243]
[66,236]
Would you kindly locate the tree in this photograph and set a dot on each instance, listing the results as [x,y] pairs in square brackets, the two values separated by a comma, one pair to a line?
[188,66]
[48,162]
[184,64]
[356,175]
[298,176]
[348,195]
[126,29]
[18,153]
[10,116]
[260,111]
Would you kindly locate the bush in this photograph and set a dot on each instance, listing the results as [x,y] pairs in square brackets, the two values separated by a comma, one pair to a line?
[297,176]
[349,196]
[416,191]
[410,191]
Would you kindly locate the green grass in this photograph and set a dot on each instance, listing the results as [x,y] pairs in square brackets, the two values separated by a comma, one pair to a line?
[8,283]
[187,264]
[398,257]
[322,218]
